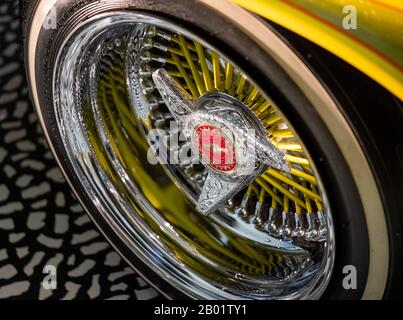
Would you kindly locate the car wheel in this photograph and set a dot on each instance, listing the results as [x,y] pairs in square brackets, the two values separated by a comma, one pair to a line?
[303,216]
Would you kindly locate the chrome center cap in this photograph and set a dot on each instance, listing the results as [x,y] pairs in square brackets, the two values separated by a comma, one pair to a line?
[226,135]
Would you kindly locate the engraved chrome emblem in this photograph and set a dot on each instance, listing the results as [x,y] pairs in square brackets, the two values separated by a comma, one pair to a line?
[230,140]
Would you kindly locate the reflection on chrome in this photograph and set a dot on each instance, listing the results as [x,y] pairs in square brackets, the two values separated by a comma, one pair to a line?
[234,131]
[272,238]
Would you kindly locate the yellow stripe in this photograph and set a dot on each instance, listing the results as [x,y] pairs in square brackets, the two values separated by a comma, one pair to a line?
[394,4]
[339,44]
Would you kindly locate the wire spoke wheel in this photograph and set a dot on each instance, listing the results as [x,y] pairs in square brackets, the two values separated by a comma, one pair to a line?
[214,151]
[268,240]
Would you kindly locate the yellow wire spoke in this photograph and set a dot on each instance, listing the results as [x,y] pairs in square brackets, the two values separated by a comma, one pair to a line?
[297,160]
[318,203]
[297,208]
[241,86]
[286,204]
[307,201]
[188,81]
[255,189]
[294,184]
[304,176]
[188,44]
[272,119]
[273,200]
[216,70]
[260,108]
[175,74]
[205,70]
[229,72]
[283,190]
[285,146]
[262,195]
[267,188]
[195,72]
[172,61]
[253,95]
[283,133]
[178,52]
[249,190]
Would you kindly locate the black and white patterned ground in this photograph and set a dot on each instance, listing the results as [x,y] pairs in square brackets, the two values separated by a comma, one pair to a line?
[40,221]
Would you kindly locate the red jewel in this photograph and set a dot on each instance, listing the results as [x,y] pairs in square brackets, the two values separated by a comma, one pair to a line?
[215,148]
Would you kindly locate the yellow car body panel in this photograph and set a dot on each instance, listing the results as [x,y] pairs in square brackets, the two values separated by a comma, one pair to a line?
[375,47]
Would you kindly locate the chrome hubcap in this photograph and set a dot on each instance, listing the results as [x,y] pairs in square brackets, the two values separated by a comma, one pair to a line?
[247,151]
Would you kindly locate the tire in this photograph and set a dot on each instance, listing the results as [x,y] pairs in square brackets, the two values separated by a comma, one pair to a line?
[361,98]
[342,132]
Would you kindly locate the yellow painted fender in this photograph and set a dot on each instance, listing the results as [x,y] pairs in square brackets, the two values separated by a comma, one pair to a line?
[375,47]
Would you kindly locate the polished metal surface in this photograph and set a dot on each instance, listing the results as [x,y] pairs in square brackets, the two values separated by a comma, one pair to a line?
[271,239]
[229,174]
